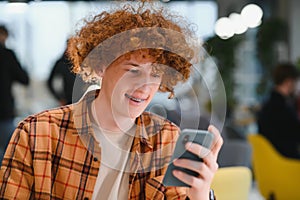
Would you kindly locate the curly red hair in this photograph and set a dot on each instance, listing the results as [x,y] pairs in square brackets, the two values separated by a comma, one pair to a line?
[103,39]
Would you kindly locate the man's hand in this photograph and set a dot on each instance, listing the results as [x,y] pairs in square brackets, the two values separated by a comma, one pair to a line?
[200,185]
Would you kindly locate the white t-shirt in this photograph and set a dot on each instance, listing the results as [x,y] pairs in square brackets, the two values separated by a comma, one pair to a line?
[112,180]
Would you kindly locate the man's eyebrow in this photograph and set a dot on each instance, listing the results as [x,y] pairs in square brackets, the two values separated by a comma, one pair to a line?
[132,64]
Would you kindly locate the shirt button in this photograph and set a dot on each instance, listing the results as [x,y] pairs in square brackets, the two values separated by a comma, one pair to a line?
[144,141]
[95,159]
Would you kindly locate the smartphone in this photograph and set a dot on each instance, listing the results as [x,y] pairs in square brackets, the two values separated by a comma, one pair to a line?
[201,137]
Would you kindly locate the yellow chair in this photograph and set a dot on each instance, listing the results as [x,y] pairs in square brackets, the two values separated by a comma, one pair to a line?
[278,177]
[232,183]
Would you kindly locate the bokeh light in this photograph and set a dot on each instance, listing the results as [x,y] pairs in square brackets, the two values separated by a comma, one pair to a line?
[238,23]
[252,15]
[223,28]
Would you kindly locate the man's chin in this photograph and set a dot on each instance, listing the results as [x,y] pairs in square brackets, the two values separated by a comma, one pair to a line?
[134,113]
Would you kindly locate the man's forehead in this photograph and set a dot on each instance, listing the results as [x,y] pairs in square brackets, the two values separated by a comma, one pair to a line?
[140,56]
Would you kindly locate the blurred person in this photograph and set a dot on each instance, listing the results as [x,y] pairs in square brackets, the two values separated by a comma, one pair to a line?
[106,146]
[64,94]
[10,72]
[278,120]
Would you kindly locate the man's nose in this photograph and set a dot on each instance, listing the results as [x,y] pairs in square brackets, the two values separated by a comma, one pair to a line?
[144,86]
[145,82]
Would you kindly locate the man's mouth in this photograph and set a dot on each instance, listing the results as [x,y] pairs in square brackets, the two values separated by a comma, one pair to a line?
[138,100]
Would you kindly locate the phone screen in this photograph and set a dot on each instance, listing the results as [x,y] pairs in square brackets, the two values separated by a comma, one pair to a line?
[201,137]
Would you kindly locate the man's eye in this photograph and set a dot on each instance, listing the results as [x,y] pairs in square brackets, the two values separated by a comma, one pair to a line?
[156,75]
[135,71]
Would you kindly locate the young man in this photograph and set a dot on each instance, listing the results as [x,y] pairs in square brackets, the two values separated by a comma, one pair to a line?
[106,146]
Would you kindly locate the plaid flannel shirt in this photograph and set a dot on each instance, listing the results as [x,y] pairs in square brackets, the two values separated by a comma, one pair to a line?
[53,155]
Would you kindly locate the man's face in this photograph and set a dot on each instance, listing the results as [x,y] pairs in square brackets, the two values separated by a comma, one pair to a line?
[3,38]
[129,84]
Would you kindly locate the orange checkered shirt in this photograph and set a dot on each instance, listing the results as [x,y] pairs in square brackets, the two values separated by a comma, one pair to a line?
[53,155]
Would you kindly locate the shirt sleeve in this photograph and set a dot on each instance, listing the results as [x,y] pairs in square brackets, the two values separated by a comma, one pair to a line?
[16,173]
[156,190]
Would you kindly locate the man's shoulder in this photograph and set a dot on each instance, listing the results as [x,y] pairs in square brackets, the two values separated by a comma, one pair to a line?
[158,125]
[157,119]
[54,115]
[6,51]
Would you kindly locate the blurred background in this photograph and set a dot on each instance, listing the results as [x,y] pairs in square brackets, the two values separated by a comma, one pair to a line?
[245,39]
